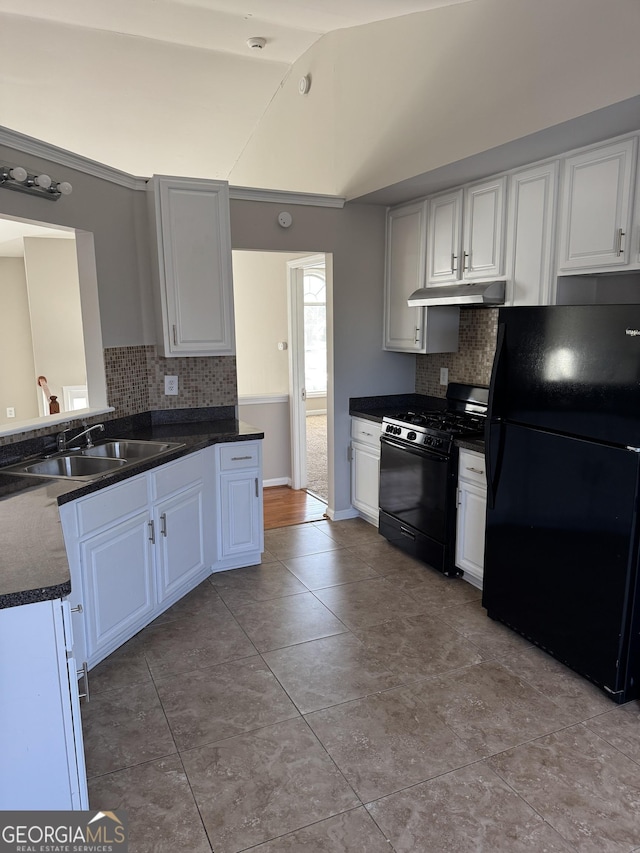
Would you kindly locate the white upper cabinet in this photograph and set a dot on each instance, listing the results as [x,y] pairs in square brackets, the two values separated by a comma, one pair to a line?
[596,207]
[418,330]
[466,233]
[445,217]
[530,235]
[194,267]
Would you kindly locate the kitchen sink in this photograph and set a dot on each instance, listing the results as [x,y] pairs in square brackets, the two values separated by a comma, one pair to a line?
[73,466]
[90,463]
[129,450]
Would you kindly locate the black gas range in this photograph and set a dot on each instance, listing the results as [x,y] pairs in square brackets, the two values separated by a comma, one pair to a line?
[418,474]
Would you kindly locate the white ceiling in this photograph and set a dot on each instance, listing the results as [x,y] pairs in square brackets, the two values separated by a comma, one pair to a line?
[289,26]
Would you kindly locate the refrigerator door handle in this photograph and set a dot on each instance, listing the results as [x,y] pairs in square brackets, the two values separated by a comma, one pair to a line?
[494,449]
[497,372]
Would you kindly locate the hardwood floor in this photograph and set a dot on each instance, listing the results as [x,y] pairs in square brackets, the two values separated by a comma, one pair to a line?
[284,506]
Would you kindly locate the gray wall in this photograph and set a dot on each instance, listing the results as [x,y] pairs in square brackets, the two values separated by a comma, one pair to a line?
[117,217]
[354,236]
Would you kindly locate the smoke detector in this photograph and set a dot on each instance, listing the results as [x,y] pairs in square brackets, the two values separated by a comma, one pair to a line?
[256,43]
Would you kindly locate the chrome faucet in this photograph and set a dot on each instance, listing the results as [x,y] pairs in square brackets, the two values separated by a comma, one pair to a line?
[63,443]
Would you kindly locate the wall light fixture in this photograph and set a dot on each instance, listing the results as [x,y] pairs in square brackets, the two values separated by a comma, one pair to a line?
[17,178]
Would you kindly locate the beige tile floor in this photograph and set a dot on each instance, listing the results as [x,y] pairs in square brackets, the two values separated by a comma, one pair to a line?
[342,697]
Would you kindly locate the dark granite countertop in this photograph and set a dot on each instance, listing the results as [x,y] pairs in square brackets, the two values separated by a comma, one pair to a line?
[476,444]
[376,408]
[33,559]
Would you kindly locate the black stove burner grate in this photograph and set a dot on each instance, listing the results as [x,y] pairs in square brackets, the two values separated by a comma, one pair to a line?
[454,423]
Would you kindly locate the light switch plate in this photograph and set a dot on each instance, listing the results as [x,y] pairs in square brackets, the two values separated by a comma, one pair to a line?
[171,385]
[11,412]
[444,375]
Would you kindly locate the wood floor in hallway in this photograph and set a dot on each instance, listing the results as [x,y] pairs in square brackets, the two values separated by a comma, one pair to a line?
[284,506]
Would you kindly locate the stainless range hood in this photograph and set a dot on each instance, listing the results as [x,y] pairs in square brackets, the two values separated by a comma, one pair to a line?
[475,293]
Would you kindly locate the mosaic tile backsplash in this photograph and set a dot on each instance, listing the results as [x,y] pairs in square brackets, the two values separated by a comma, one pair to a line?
[472,363]
[135,383]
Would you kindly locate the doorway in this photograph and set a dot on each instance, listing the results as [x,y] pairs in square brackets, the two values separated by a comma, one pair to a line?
[267,348]
[308,374]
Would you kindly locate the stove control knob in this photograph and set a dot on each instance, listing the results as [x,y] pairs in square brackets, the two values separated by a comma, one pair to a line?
[398,430]
[411,436]
[389,428]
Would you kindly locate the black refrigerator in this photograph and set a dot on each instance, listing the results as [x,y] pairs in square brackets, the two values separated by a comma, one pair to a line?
[563,452]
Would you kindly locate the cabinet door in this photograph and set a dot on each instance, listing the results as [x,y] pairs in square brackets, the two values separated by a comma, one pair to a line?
[365,480]
[472,506]
[118,582]
[483,238]
[40,730]
[445,222]
[530,233]
[404,273]
[195,266]
[596,207]
[241,513]
[180,541]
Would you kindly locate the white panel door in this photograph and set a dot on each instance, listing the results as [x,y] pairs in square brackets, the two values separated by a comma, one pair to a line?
[118,582]
[404,273]
[180,540]
[241,513]
[195,267]
[596,207]
[530,235]
[470,534]
[43,763]
[445,223]
[365,479]
[482,252]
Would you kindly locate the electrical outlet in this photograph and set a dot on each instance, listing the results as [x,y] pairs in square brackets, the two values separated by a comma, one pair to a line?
[171,385]
[444,375]
[11,412]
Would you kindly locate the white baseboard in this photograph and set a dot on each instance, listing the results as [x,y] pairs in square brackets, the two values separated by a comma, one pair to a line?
[342,514]
[313,412]
[276,481]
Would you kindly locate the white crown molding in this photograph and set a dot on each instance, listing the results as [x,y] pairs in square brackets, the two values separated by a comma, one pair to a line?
[284,197]
[29,145]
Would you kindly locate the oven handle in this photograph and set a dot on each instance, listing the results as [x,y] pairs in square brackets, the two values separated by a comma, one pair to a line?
[421,451]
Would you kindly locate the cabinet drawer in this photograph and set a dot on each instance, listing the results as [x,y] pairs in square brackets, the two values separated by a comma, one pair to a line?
[179,474]
[111,503]
[366,432]
[471,467]
[234,457]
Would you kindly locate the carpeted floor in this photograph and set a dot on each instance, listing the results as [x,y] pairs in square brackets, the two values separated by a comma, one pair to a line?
[317,456]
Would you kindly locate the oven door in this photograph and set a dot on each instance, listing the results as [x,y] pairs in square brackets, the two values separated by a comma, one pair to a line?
[414,487]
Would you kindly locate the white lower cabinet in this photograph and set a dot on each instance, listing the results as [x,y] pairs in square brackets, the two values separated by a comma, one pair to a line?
[40,728]
[118,584]
[239,492]
[365,467]
[471,520]
[135,548]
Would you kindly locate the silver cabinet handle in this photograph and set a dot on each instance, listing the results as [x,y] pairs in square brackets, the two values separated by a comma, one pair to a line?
[152,533]
[454,258]
[163,524]
[239,458]
[465,258]
[175,336]
[84,673]
[257,492]
[417,340]
[77,609]
[619,237]
[475,470]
